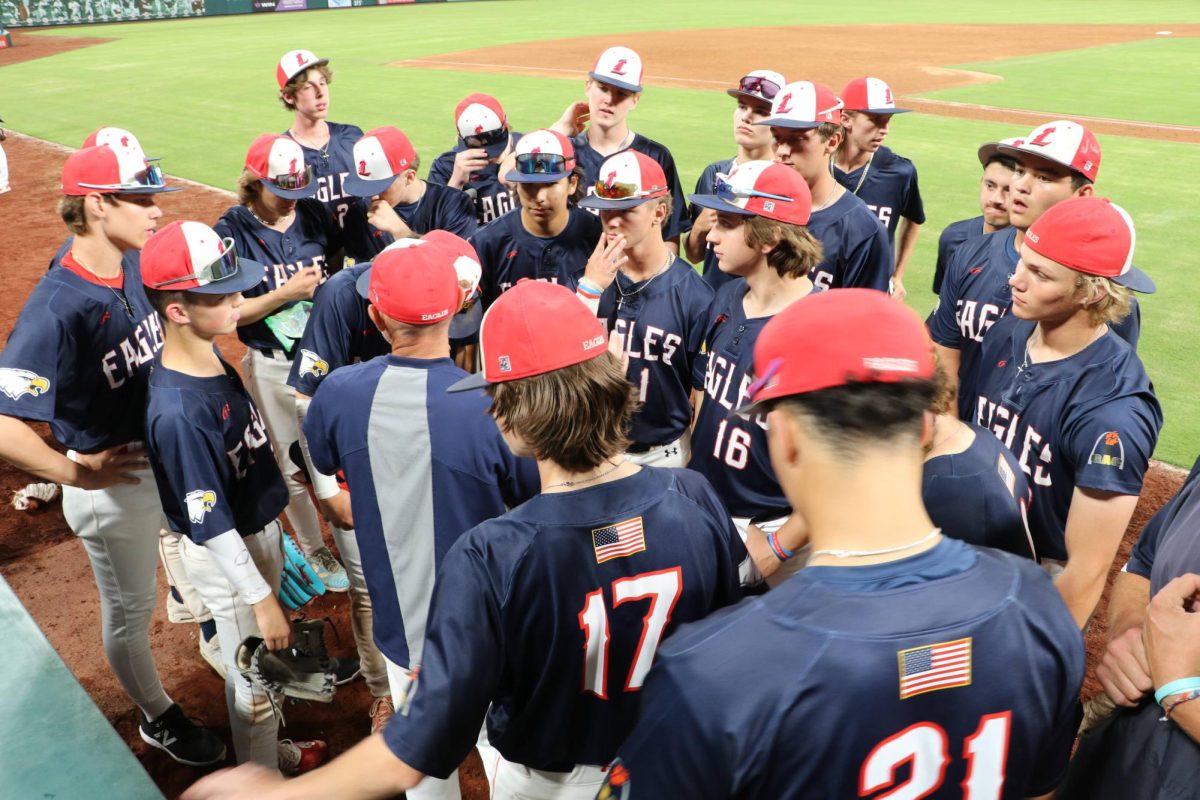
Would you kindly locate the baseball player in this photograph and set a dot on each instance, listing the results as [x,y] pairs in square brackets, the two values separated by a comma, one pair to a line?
[655,302]
[398,203]
[918,665]
[613,89]
[328,146]
[1055,161]
[279,223]
[993,202]
[550,614]
[4,184]
[759,236]
[806,123]
[217,479]
[754,94]
[886,182]
[547,238]
[78,359]
[1068,396]
[484,138]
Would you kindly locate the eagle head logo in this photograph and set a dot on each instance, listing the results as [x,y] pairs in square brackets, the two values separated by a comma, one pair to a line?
[199,502]
[313,364]
[16,383]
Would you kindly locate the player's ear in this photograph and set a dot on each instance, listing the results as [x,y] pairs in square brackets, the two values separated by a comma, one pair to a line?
[177,312]
[1087,190]
[378,321]
[927,431]
[783,441]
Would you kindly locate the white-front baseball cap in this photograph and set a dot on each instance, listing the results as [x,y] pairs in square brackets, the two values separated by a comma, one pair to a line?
[870,95]
[1063,142]
[294,62]
[620,67]
[804,104]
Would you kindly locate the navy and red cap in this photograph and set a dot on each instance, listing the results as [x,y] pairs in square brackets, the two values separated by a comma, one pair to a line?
[543,142]
[871,96]
[102,169]
[1061,142]
[189,256]
[380,156]
[760,189]
[802,105]
[278,163]
[626,180]
[620,67]
[294,62]
[480,115]
[1092,235]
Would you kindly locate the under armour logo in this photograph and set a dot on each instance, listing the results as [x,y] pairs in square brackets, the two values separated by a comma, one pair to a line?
[784,108]
[362,168]
[105,317]
[225,411]
[671,451]
[1000,364]
[619,67]
[1042,139]
[511,254]
[975,270]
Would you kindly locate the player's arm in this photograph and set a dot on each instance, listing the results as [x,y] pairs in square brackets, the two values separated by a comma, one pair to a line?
[907,234]
[1095,524]
[24,449]
[791,536]
[332,498]
[298,287]
[696,244]
[1172,636]
[1123,670]
[950,360]
[869,261]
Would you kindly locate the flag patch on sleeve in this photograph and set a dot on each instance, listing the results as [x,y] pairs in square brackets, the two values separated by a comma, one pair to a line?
[933,667]
[619,540]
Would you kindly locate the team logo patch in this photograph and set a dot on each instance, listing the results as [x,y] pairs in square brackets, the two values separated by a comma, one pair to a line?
[934,667]
[505,364]
[1108,451]
[199,502]
[619,540]
[313,364]
[16,383]
[768,205]
[616,783]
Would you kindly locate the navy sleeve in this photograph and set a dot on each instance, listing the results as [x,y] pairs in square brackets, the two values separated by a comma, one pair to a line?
[945,242]
[943,323]
[680,223]
[458,214]
[869,262]
[1141,560]
[30,362]
[318,432]
[914,208]
[698,305]
[325,344]
[1111,447]
[197,470]
[441,168]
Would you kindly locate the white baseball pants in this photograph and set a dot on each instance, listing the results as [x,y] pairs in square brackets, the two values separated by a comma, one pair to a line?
[675,455]
[374,670]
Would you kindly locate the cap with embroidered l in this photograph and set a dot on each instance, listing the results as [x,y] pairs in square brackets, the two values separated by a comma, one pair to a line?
[835,338]
[542,156]
[620,67]
[1063,142]
[760,189]
[189,256]
[989,150]
[1092,235]
[102,169]
[758,84]
[379,157]
[870,95]
[294,62]
[626,180]
[412,281]
[278,163]
[534,328]
[469,271]
[804,104]
[118,139]
[481,122]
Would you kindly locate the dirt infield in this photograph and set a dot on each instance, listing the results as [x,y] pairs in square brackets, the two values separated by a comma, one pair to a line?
[913,58]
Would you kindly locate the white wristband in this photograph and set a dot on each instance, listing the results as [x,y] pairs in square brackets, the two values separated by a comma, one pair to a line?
[324,486]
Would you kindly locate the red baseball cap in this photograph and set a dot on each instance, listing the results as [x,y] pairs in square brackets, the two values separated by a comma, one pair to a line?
[1063,142]
[838,337]
[412,281]
[469,271]
[534,328]
[1092,235]
[760,189]
[294,62]
[870,95]
[102,169]
[620,67]
[804,104]
[278,163]
[379,156]
[626,180]
[192,257]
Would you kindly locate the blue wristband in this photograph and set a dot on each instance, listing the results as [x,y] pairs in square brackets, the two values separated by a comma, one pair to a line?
[1176,687]
[781,552]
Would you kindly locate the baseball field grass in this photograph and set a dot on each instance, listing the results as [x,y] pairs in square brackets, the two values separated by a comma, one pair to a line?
[197,91]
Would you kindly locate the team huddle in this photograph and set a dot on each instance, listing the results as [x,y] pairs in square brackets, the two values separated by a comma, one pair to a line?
[627,527]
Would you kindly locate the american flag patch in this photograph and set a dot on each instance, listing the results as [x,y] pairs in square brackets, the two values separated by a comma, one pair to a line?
[934,667]
[619,540]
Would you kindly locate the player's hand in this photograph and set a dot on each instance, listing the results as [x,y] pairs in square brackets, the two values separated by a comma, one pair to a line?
[898,291]
[1123,670]
[337,510]
[705,221]
[606,259]
[381,214]
[301,285]
[1171,631]
[616,346]
[272,623]
[573,120]
[110,467]
[249,781]
[465,163]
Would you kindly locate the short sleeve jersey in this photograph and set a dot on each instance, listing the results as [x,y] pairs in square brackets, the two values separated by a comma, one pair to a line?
[1090,420]
[1184,507]
[331,164]
[856,252]
[952,238]
[440,208]
[707,184]
[492,199]
[888,185]
[548,618]
[211,456]
[661,322]
[591,161]
[79,356]
[959,666]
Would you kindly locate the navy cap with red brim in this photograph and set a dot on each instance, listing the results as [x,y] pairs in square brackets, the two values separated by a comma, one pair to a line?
[361,187]
[249,274]
[629,87]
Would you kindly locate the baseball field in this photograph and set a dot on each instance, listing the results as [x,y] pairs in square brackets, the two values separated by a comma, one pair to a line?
[197,91]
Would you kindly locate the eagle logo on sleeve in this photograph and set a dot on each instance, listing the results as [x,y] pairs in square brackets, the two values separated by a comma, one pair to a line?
[199,502]
[16,383]
[313,364]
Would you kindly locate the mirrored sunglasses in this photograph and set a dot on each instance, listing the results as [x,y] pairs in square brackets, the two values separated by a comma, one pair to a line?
[541,163]
[292,181]
[151,177]
[487,138]
[224,266]
[727,191]
[766,89]
[620,191]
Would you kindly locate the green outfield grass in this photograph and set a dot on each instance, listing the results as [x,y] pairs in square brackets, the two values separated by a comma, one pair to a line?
[201,115]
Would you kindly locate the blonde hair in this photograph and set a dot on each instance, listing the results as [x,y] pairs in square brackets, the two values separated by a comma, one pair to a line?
[249,188]
[1106,300]
[795,251]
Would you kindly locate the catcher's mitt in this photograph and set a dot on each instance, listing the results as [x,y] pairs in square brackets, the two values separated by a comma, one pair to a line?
[299,583]
[290,672]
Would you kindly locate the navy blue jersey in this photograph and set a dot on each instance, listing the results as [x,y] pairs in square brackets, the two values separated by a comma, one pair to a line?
[1183,506]
[727,449]
[211,457]
[953,236]
[423,467]
[856,252]
[591,161]
[339,332]
[662,323]
[492,198]
[309,242]
[508,253]
[707,184]
[979,495]
[956,667]
[1089,420]
[888,185]
[552,615]
[331,164]
[440,208]
[78,358]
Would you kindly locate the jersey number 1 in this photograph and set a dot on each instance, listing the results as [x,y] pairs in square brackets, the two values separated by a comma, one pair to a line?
[926,748]
[662,589]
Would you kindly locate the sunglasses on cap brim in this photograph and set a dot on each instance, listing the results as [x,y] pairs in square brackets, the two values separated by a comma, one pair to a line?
[728,192]
[151,177]
[487,138]
[292,181]
[617,190]
[541,163]
[761,87]
[223,267]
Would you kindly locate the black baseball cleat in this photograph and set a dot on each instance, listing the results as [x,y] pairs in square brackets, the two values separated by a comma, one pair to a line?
[182,739]
[346,669]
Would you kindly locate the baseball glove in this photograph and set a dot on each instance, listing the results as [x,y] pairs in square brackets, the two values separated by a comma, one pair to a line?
[299,583]
[290,672]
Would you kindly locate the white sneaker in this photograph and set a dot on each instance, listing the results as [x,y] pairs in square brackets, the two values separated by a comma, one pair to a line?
[177,612]
[210,651]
